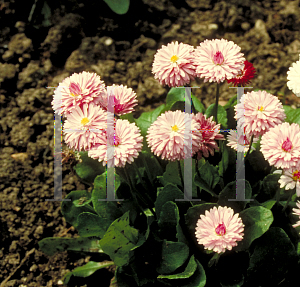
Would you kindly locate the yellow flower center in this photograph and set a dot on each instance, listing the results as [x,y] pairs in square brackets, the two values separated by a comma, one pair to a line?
[296,175]
[85,121]
[175,128]
[260,108]
[174,59]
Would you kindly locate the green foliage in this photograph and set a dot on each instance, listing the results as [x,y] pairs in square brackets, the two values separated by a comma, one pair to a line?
[270,255]
[209,178]
[89,168]
[118,6]
[170,192]
[229,192]
[187,273]
[87,270]
[90,224]
[176,100]
[174,254]
[51,245]
[222,115]
[292,115]
[257,221]
[70,211]
[147,118]
[119,240]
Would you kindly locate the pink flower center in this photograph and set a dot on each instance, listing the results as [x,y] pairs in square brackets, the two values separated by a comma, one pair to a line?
[218,58]
[296,175]
[75,89]
[206,131]
[114,140]
[221,229]
[174,59]
[287,145]
[243,140]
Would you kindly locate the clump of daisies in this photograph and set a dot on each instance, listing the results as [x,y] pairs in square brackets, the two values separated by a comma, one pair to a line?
[85,102]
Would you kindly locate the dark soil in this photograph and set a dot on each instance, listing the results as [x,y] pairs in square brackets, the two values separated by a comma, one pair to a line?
[88,36]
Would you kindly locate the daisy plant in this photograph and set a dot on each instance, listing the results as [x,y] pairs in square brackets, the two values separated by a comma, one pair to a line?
[159,224]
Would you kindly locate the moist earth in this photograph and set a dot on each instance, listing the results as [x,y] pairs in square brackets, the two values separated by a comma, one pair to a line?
[42,46]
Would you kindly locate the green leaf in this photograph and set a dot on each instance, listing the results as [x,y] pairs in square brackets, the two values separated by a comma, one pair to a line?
[257,221]
[292,115]
[171,175]
[197,104]
[174,254]
[105,209]
[90,224]
[118,6]
[170,192]
[197,279]
[273,251]
[231,103]
[82,201]
[147,118]
[222,115]
[128,117]
[46,11]
[151,165]
[87,270]
[268,204]
[223,164]
[70,211]
[168,220]
[89,168]
[175,95]
[209,177]
[51,245]
[169,216]
[188,271]
[230,192]
[119,240]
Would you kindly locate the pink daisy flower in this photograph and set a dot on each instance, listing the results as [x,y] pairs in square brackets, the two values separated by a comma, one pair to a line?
[217,60]
[259,111]
[297,212]
[241,144]
[84,125]
[124,99]
[290,178]
[281,145]
[166,136]
[76,90]
[244,76]
[219,229]
[210,133]
[173,64]
[121,148]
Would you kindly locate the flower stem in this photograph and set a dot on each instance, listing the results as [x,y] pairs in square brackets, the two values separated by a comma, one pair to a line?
[180,173]
[197,170]
[251,141]
[134,193]
[217,103]
[143,183]
[147,171]
[288,201]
